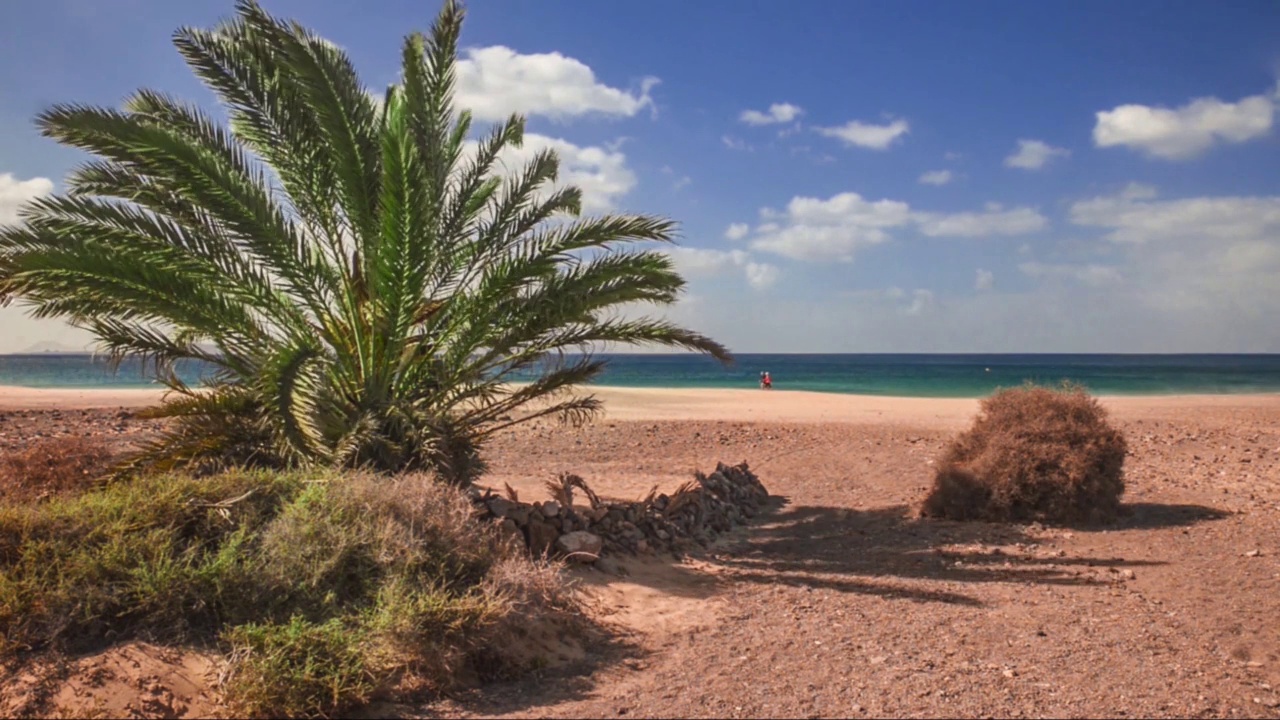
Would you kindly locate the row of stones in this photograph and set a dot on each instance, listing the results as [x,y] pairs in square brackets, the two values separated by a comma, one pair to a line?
[695,514]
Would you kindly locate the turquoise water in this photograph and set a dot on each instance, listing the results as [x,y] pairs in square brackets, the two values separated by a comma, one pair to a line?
[900,375]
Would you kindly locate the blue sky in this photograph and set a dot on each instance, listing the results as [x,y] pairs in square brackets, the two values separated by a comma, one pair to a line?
[850,176]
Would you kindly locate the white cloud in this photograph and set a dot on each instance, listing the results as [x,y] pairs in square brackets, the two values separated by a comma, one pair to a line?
[994,220]
[985,280]
[1184,132]
[601,174]
[777,113]
[1138,191]
[681,183]
[761,275]
[1034,154]
[937,177]
[833,229]
[1216,259]
[1199,221]
[737,231]
[734,143]
[14,193]
[1090,274]
[496,81]
[864,135]
[707,262]
[921,301]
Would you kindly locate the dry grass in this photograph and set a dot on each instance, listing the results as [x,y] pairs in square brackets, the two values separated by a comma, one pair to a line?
[52,466]
[326,589]
[1033,453]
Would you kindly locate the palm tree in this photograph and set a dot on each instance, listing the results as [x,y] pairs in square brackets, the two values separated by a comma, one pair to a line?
[361,276]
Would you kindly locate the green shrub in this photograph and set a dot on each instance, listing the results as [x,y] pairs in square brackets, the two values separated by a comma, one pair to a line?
[1033,453]
[168,554]
[325,587]
[297,669]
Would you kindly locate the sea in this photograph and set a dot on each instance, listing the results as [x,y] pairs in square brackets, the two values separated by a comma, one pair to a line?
[915,375]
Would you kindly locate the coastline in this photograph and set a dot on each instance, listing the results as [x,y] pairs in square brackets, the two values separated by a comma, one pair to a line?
[714,404]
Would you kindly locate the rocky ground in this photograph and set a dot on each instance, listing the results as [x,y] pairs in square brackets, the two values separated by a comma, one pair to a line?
[838,602]
[841,604]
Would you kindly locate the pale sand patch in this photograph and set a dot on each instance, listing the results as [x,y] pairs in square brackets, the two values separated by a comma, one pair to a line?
[27,398]
[739,405]
[802,406]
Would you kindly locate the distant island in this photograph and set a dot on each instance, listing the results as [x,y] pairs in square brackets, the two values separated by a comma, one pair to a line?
[53,347]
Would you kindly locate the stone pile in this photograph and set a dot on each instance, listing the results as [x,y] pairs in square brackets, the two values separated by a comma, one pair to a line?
[695,514]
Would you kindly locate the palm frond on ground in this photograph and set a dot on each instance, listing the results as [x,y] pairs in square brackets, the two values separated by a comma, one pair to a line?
[363,277]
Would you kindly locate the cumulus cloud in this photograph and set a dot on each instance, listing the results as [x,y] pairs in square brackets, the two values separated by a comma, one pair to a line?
[707,262]
[734,143]
[737,231]
[494,82]
[937,177]
[865,135]
[833,229]
[14,193]
[760,275]
[1138,191]
[601,173]
[1217,258]
[921,300]
[1034,154]
[985,280]
[1089,274]
[1137,218]
[1187,131]
[994,220]
[776,114]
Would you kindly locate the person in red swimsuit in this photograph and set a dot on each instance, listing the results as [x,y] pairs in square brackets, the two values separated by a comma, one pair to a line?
[767,381]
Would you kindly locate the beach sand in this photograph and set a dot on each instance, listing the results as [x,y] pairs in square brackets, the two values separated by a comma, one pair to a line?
[745,405]
[842,603]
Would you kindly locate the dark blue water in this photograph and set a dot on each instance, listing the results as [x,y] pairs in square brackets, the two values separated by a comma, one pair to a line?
[900,375]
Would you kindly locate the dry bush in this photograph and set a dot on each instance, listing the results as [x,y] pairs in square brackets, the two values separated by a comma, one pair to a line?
[1033,453]
[52,466]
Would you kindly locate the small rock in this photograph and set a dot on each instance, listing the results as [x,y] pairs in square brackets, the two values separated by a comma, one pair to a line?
[1009,673]
[542,536]
[500,506]
[510,530]
[1127,574]
[550,508]
[580,546]
[1253,553]
[610,566]
[520,513]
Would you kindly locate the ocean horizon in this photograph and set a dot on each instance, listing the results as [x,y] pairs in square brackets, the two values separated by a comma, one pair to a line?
[884,374]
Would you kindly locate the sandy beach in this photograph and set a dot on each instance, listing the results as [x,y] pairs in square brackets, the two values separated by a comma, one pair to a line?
[841,602]
[627,403]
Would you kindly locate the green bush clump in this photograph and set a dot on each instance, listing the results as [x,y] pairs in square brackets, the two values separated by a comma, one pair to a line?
[324,588]
[1033,454]
[295,668]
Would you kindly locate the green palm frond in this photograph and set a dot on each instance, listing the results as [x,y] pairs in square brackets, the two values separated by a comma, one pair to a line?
[366,280]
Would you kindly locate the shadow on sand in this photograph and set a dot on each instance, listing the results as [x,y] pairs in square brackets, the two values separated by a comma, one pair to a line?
[881,551]
[885,552]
